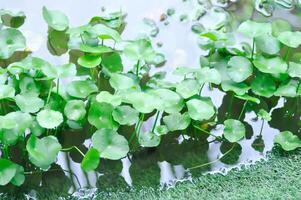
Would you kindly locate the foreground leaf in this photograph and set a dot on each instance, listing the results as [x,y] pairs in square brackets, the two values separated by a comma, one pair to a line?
[287,140]
[49,119]
[55,19]
[10,41]
[234,130]
[91,160]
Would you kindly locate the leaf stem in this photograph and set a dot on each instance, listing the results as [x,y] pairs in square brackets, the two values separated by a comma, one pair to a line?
[137,67]
[205,131]
[57,85]
[287,54]
[49,93]
[242,110]
[253,49]
[74,147]
[155,122]
[200,93]
[262,123]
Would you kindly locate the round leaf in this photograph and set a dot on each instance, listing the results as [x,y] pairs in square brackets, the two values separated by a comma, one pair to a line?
[187,88]
[294,70]
[6,91]
[75,110]
[287,140]
[110,144]
[106,97]
[91,160]
[89,61]
[268,44]
[125,115]
[49,118]
[177,121]
[254,29]
[239,68]
[7,171]
[234,130]
[291,39]
[81,89]
[29,103]
[149,139]
[238,88]
[10,41]
[273,65]
[100,115]
[55,19]
[263,85]
[200,109]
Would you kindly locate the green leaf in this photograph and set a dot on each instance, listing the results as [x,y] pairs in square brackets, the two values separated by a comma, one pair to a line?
[177,121]
[168,100]
[239,68]
[7,171]
[29,103]
[238,88]
[100,115]
[262,114]
[187,88]
[291,39]
[267,44]
[279,26]
[125,115]
[43,152]
[91,160]
[6,91]
[208,75]
[294,70]
[200,109]
[149,139]
[234,130]
[81,88]
[247,97]
[161,130]
[274,65]
[89,61]
[106,97]
[263,85]
[100,49]
[19,177]
[287,89]
[10,41]
[142,101]
[60,71]
[55,19]
[75,110]
[123,82]
[287,140]
[139,50]
[254,29]
[49,119]
[105,32]
[110,144]
[112,62]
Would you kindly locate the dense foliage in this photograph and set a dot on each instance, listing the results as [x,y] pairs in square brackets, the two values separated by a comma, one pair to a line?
[97,93]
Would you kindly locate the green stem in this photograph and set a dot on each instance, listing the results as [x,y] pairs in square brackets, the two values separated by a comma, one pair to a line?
[137,67]
[201,89]
[49,93]
[57,85]
[262,123]
[209,163]
[203,130]
[156,119]
[287,54]
[136,128]
[74,147]
[253,49]
[242,110]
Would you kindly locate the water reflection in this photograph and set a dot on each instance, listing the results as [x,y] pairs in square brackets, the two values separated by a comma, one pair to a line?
[179,151]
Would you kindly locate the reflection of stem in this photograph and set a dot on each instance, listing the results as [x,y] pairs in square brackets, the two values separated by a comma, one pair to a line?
[262,123]
[209,163]
[243,109]
[74,147]
[203,130]
[156,119]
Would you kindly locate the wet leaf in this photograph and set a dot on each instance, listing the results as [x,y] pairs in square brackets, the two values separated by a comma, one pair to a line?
[29,103]
[177,121]
[239,68]
[234,130]
[267,44]
[75,110]
[110,144]
[287,89]
[91,160]
[60,71]
[81,89]
[105,32]
[263,85]
[200,109]
[208,75]
[122,82]
[100,115]
[142,101]
[287,140]
[139,50]
[149,139]
[106,97]
[291,39]
[238,88]
[254,29]
[279,26]
[125,115]
[262,114]
[49,119]
[294,70]
[274,65]
[89,61]
[112,62]
[43,152]
[6,91]
[7,171]
[187,88]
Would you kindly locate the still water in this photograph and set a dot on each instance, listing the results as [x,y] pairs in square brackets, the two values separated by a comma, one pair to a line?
[178,152]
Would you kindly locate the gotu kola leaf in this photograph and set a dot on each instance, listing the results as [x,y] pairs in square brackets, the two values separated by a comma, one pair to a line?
[10,40]
[234,130]
[287,140]
[49,118]
[55,19]
[91,160]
